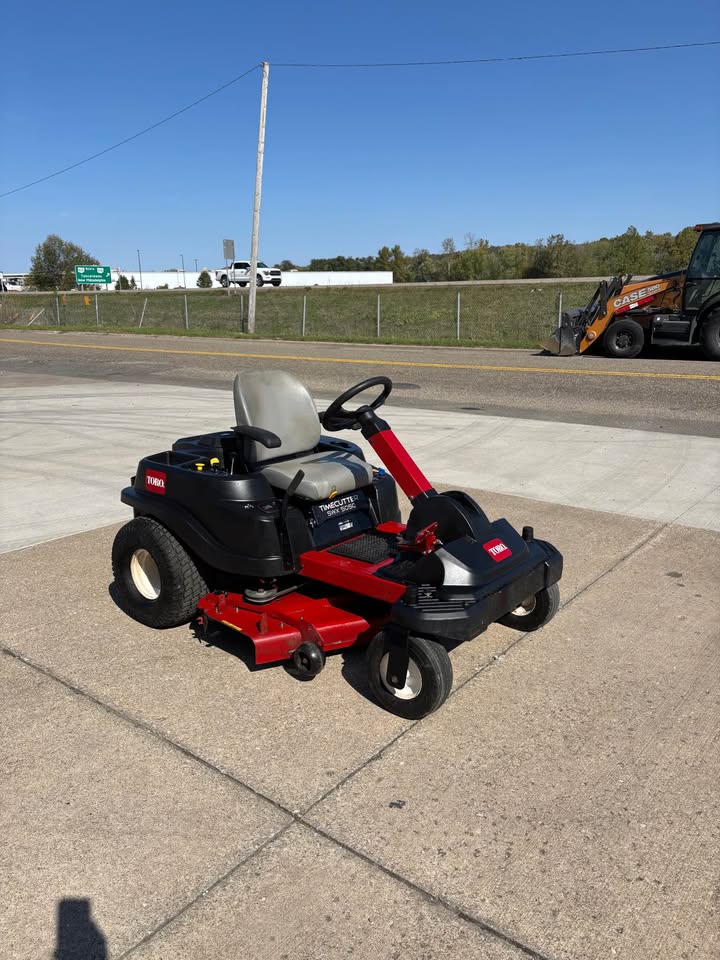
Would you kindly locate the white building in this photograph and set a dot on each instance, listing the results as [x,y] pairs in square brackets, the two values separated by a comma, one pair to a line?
[336,278]
[176,280]
[152,279]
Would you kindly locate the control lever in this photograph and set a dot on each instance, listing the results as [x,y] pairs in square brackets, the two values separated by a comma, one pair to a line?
[284,532]
[290,492]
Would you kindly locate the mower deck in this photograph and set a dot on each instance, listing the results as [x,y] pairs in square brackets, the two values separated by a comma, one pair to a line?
[373,567]
[279,627]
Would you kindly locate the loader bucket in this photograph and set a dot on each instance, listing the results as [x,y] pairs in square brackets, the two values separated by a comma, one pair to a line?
[563,342]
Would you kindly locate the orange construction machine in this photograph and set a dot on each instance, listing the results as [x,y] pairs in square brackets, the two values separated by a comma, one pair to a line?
[674,309]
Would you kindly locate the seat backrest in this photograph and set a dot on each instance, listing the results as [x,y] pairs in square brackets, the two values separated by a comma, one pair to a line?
[276,401]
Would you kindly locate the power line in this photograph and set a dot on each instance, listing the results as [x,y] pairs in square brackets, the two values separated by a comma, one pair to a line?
[140,133]
[407,63]
[534,56]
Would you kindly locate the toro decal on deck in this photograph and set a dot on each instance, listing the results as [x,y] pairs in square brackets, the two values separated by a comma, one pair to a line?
[497,550]
[155,481]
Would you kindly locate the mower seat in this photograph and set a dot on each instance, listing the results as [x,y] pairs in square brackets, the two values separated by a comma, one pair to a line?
[276,401]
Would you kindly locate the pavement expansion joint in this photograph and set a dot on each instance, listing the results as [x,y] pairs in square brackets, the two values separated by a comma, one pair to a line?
[484,925]
[218,882]
[294,816]
[300,817]
[712,495]
[140,725]
[618,563]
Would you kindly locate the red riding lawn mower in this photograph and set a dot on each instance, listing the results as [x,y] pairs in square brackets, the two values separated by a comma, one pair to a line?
[294,540]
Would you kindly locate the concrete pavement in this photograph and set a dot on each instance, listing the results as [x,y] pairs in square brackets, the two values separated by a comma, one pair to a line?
[69,446]
[563,803]
[164,799]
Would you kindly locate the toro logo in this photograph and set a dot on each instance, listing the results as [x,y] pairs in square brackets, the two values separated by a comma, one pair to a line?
[497,550]
[155,481]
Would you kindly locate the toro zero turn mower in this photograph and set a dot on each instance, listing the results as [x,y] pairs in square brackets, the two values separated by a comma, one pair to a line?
[294,540]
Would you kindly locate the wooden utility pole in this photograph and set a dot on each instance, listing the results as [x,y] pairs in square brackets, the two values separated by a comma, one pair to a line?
[258,194]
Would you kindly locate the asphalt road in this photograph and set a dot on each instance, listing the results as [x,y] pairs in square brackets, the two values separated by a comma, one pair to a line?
[679,393]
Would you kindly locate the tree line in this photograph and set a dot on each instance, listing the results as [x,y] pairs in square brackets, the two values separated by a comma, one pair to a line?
[53,267]
[53,263]
[554,256]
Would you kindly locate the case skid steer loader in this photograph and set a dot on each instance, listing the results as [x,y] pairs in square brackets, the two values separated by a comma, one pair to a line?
[673,309]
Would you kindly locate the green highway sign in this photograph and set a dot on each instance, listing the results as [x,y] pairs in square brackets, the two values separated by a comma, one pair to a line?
[92,274]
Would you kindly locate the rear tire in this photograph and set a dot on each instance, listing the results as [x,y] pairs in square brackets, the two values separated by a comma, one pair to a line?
[259,282]
[710,336]
[624,339]
[428,683]
[157,581]
[535,612]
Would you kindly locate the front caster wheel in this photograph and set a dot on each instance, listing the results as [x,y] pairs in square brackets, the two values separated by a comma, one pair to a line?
[534,612]
[308,660]
[156,579]
[428,681]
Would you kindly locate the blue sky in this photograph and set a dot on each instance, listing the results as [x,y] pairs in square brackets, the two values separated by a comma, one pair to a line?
[354,158]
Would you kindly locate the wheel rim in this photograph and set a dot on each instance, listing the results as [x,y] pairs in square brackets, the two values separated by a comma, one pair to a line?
[145,574]
[624,340]
[525,608]
[413,681]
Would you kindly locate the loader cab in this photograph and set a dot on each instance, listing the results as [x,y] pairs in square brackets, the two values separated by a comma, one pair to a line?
[702,282]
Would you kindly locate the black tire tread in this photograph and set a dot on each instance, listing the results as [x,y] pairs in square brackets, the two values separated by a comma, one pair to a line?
[180,592]
[710,336]
[548,600]
[437,661]
[608,343]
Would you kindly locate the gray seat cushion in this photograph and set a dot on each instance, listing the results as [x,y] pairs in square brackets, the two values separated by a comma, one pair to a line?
[325,472]
[278,402]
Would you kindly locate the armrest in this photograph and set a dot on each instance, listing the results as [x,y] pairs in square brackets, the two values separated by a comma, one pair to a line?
[265,437]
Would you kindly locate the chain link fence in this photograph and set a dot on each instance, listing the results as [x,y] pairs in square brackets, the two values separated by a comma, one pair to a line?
[512,313]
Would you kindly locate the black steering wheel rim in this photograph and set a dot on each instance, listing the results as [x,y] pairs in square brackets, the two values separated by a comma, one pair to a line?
[336,417]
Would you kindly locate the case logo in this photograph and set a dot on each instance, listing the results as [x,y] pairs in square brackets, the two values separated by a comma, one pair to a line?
[633,299]
[155,481]
[497,550]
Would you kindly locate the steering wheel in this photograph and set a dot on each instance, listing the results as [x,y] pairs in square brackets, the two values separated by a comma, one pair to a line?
[336,417]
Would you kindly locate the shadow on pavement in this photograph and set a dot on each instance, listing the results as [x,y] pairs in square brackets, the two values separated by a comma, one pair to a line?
[77,935]
[689,354]
[240,647]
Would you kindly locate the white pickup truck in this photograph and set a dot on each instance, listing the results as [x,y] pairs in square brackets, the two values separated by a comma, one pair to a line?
[10,284]
[239,272]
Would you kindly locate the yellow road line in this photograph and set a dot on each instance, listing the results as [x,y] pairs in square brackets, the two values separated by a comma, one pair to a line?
[368,362]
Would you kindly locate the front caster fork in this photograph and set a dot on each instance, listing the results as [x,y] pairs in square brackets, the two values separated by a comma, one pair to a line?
[398,656]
